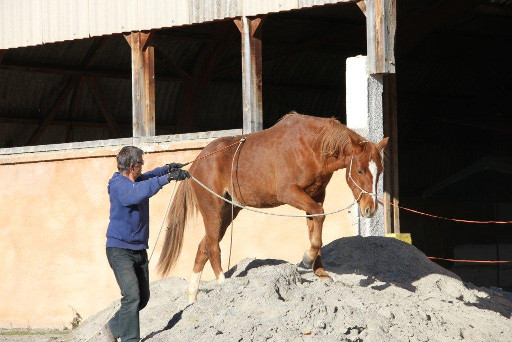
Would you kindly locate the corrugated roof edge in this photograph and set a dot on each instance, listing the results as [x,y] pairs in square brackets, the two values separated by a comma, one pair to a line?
[90,149]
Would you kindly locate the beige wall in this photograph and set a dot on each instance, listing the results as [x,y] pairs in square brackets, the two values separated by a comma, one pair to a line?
[54,211]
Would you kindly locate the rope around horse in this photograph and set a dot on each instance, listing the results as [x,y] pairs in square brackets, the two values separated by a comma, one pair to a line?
[265,212]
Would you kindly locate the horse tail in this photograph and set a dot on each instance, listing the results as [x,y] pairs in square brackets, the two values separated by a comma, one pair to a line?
[183,206]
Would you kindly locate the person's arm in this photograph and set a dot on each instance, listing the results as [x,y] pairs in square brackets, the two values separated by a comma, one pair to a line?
[131,193]
[159,171]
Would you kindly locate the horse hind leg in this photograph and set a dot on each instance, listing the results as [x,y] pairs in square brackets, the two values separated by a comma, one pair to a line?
[195,278]
[216,235]
[209,249]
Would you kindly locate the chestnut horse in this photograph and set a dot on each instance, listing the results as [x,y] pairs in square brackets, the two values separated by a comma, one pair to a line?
[290,163]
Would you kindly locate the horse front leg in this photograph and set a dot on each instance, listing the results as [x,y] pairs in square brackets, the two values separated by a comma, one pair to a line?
[297,198]
[309,259]
[315,237]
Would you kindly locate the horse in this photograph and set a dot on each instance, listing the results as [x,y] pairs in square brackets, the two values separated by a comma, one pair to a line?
[289,163]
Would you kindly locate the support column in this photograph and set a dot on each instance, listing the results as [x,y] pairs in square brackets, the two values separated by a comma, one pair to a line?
[143,83]
[364,116]
[371,109]
[251,73]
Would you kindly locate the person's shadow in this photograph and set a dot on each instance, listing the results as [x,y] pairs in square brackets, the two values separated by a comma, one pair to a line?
[172,322]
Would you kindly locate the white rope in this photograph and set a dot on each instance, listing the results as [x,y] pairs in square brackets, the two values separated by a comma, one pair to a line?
[163,221]
[265,212]
[233,197]
[363,191]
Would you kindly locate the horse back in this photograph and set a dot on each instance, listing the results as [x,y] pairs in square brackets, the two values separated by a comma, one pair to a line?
[266,162]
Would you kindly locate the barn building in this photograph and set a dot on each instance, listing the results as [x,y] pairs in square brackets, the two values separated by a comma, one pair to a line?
[80,79]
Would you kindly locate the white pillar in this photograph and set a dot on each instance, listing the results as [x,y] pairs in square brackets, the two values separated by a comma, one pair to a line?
[365,116]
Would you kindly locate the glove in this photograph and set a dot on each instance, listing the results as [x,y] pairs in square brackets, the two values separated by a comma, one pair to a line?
[174,166]
[177,175]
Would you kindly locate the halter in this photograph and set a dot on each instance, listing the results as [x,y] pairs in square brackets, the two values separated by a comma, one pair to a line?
[363,191]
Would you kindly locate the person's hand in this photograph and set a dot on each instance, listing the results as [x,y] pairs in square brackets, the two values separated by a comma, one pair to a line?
[174,166]
[178,175]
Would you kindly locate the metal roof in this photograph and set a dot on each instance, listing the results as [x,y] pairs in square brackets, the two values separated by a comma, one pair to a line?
[35,22]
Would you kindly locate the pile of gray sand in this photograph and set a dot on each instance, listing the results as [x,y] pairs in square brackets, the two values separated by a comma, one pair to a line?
[383,290]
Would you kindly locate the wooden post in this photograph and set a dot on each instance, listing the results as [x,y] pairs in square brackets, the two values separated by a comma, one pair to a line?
[380,35]
[380,40]
[251,73]
[143,83]
[391,191]
[362,6]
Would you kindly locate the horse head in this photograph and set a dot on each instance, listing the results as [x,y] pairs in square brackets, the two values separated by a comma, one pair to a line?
[364,167]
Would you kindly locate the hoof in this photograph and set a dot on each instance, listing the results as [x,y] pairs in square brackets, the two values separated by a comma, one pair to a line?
[307,260]
[192,296]
[221,278]
[326,278]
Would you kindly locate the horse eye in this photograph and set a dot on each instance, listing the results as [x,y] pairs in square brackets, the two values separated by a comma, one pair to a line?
[360,172]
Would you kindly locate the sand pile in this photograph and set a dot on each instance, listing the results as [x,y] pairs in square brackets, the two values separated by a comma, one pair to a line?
[383,290]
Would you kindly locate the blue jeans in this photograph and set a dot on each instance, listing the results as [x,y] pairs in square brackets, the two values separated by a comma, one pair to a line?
[132,275]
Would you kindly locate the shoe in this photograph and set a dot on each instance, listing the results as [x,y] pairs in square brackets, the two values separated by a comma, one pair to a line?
[105,331]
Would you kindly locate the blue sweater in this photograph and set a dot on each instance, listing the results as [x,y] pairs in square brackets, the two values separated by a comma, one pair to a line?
[129,208]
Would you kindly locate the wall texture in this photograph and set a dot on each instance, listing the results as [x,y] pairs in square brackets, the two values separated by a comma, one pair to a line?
[54,209]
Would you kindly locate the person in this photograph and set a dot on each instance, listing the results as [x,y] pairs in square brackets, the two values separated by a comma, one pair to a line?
[128,234]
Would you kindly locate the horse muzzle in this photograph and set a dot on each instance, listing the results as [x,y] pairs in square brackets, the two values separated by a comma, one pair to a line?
[367,208]
[367,212]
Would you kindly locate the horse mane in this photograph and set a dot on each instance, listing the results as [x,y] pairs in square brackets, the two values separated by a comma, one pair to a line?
[334,137]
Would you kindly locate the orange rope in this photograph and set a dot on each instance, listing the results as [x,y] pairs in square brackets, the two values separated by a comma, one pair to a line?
[473,261]
[444,218]
[380,199]
[209,154]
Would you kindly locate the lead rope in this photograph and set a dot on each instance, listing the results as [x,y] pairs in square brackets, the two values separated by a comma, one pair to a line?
[267,213]
[163,221]
[233,198]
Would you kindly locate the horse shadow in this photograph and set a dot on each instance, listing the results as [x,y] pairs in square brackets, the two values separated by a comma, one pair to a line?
[243,268]
[385,262]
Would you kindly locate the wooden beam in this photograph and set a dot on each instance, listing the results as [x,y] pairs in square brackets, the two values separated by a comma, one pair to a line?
[252,78]
[391,188]
[96,47]
[362,6]
[143,83]
[195,89]
[74,71]
[109,117]
[67,123]
[352,37]
[74,106]
[168,62]
[51,114]
[380,36]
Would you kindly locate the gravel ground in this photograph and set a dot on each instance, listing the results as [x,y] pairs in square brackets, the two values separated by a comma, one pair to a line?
[383,290]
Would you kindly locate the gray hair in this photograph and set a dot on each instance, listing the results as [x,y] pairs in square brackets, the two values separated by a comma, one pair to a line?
[128,156]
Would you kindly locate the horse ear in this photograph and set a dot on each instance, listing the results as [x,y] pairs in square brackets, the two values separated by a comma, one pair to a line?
[356,144]
[382,144]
